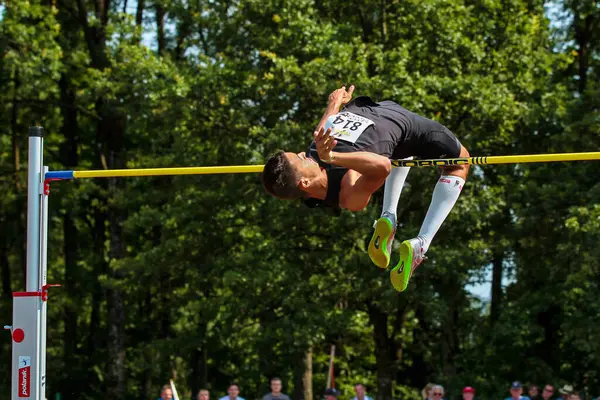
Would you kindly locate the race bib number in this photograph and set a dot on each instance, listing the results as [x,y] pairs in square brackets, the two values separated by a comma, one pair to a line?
[347,126]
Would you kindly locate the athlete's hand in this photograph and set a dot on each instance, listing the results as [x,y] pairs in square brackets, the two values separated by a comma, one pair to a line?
[325,144]
[341,96]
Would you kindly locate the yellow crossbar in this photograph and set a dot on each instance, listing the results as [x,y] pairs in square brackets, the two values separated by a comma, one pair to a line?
[110,173]
[522,159]
[244,169]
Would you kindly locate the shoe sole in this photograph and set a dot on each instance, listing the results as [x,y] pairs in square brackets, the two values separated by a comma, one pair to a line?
[378,251]
[400,274]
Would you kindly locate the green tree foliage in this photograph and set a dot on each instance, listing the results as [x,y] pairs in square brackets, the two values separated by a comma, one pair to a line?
[207,280]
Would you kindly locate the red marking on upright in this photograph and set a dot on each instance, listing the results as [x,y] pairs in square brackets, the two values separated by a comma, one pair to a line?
[25,381]
[27,294]
[18,335]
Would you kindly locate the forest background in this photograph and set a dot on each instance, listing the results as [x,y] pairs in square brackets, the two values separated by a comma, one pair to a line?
[208,280]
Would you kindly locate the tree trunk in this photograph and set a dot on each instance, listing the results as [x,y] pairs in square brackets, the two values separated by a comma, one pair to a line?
[583,26]
[69,158]
[385,353]
[183,31]
[96,339]
[69,147]
[450,329]
[112,130]
[20,230]
[4,264]
[497,272]
[160,27]
[109,141]
[549,347]
[199,374]
[307,377]
[71,308]
[147,387]
[420,368]
[303,377]
[139,14]
[383,22]
[116,307]
[77,370]
[15,136]
[368,25]
[116,345]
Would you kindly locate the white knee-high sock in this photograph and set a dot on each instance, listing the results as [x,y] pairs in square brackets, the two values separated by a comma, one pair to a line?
[393,188]
[444,197]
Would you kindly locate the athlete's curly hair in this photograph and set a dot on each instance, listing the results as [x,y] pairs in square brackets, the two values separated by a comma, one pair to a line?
[280,179]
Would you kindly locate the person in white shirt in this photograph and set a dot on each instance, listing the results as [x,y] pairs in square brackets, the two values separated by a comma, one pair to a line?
[361,392]
[516,392]
[233,392]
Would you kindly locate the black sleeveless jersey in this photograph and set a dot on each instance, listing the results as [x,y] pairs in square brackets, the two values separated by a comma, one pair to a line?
[396,133]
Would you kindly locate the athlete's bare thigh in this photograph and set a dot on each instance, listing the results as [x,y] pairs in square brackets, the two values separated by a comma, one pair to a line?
[458,170]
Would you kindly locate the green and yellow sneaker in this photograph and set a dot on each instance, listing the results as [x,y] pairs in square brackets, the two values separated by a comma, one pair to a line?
[411,255]
[380,247]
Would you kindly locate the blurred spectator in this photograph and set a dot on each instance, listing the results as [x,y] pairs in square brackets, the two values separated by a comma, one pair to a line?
[565,391]
[468,393]
[534,392]
[361,392]
[233,392]
[166,393]
[548,392]
[203,394]
[276,391]
[437,392]
[516,390]
[574,396]
[331,394]
[426,392]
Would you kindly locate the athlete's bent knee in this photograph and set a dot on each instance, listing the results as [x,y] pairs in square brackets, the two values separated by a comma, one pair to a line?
[458,170]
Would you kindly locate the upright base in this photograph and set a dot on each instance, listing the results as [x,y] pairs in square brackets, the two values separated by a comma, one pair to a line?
[26,351]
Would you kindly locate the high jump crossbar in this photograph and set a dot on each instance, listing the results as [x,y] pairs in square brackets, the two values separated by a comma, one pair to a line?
[28,330]
[243,169]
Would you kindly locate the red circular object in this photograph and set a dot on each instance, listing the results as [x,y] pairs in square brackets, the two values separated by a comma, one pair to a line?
[18,335]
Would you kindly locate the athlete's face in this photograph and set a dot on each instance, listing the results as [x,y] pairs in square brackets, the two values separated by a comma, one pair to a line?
[306,166]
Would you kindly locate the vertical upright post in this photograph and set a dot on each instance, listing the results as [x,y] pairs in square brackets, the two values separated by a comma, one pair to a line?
[43,282]
[28,329]
[34,185]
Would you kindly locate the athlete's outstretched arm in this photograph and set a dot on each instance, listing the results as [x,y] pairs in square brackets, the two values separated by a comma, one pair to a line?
[367,171]
[370,165]
[337,98]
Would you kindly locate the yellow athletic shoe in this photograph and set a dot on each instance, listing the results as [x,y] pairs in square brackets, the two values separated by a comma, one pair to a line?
[411,255]
[380,247]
